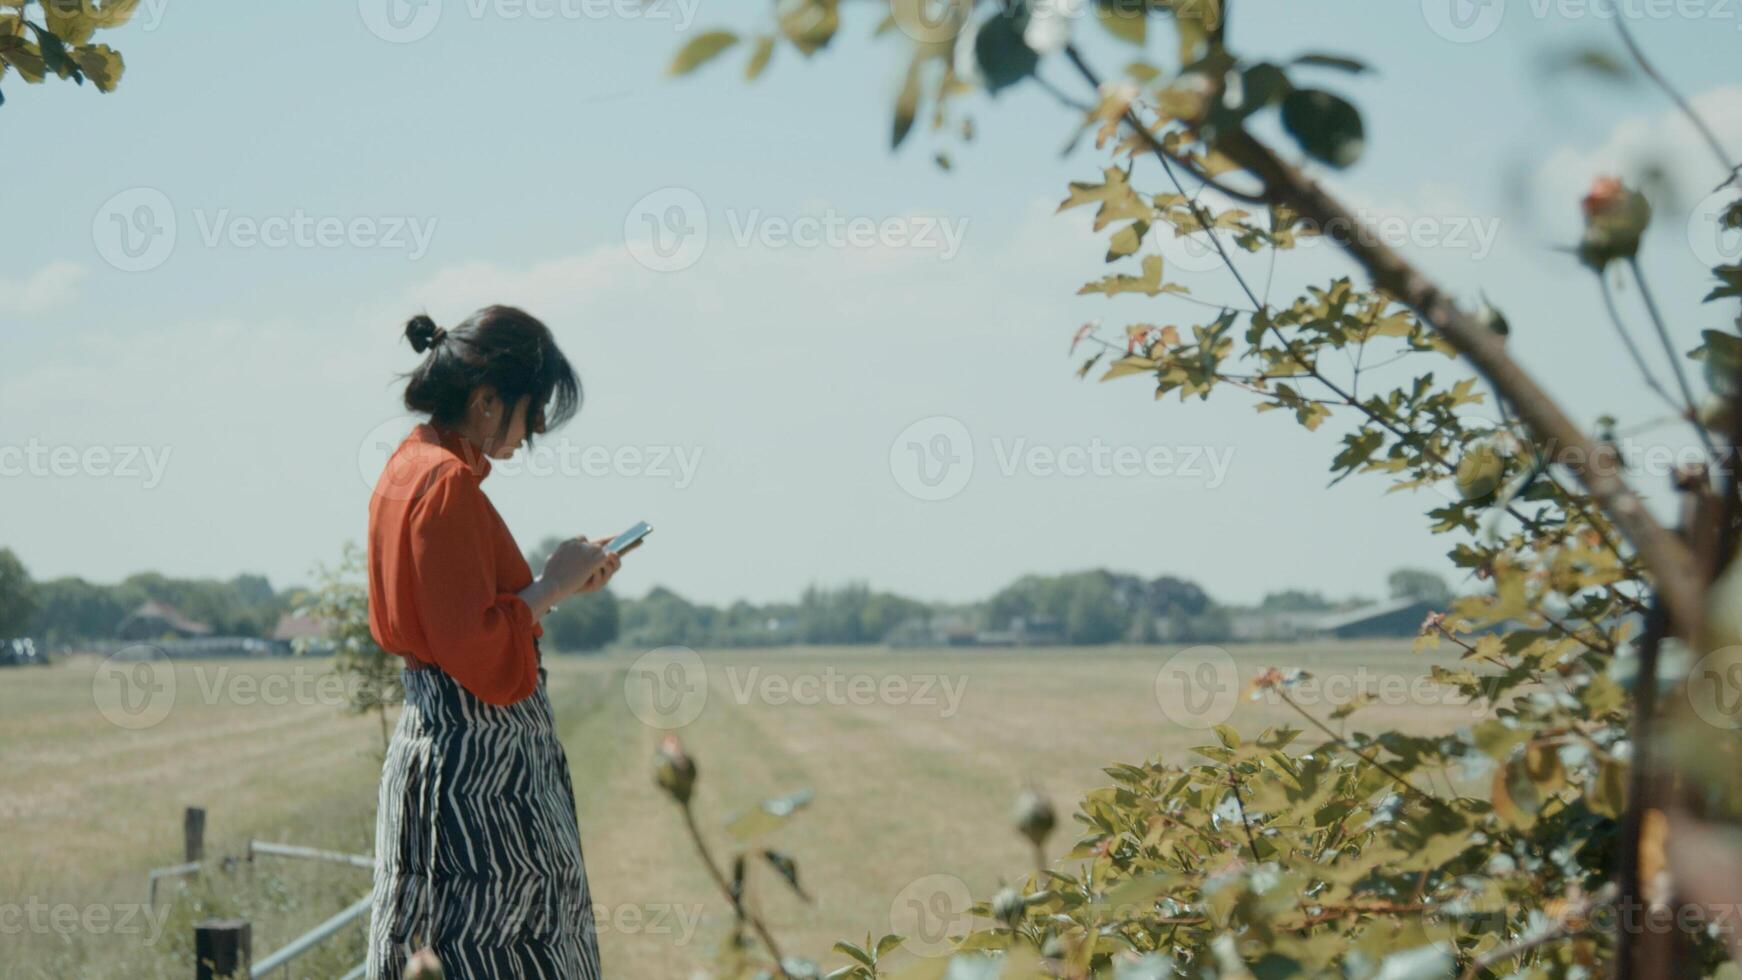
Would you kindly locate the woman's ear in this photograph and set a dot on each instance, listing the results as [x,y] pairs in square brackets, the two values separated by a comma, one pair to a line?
[487,404]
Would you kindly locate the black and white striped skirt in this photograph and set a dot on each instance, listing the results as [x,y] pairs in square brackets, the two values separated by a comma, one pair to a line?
[478,853]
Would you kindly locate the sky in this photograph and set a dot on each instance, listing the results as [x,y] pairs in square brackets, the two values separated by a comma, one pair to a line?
[806,359]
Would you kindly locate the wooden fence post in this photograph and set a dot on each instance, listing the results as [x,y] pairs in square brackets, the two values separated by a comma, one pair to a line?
[223,949]
[194,834]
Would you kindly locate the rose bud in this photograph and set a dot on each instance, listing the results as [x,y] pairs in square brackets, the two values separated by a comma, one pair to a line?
[674,770]
[1615,219]
[1034,816]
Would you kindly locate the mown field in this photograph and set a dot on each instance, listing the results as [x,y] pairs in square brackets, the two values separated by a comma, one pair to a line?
[914,757]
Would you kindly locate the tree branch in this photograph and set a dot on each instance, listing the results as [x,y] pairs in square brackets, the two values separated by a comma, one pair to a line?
[1664,554]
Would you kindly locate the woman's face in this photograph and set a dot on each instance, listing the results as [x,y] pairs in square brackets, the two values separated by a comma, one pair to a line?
[496,442]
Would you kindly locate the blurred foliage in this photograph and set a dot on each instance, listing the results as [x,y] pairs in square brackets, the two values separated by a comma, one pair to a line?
[39,38]
[1420,584]
[1322,850]
[19,596]
[581,623]
[72,610]
[340,602]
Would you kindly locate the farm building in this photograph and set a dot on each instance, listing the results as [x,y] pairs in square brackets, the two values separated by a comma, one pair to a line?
[155,620]
[1400,617]
[1258,625]
[1397,618]
[316,634]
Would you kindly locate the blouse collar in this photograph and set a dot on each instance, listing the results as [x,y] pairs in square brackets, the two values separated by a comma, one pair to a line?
[457,444]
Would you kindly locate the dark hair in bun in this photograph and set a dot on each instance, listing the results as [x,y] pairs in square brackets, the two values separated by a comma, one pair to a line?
[500,346]
[423,333]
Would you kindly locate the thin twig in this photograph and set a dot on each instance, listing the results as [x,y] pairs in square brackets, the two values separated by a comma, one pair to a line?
[1675,361]
[1370,760]
[1566,930]
[1681,103]
[1245,821]
[1633,350]
[743,914]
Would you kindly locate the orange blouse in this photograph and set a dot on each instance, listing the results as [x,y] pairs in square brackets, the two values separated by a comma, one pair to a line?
[444,570]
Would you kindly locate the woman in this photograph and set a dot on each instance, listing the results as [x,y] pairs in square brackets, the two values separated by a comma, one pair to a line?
[478,854]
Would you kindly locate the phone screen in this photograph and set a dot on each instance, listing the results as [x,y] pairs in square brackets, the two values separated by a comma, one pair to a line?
[623,541]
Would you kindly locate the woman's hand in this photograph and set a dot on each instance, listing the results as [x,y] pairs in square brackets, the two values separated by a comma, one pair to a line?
[603,573]
[575,565]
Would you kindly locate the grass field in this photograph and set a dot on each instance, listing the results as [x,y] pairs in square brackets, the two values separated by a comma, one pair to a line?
[914,757]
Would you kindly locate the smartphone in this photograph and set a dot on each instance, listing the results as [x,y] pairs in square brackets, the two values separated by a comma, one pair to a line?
[631,539]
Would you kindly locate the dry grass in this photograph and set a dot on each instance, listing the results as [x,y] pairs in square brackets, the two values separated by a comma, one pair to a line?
[905,791]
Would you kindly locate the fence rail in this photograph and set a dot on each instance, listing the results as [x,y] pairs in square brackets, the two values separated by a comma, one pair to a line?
[309,854]
[224,947]
[309,940]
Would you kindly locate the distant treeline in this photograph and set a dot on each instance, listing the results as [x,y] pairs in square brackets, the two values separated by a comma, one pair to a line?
[1078,608]
[68,610]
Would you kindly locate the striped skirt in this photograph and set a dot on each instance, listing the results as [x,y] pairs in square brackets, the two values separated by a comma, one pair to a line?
[478,853]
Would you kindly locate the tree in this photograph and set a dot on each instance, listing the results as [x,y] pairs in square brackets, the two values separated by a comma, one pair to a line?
[1216,866]
[73,609]
[663,618]
[18,598]
[583,622]
[340,600]
[58,40]
[1420,585]
[1296,600]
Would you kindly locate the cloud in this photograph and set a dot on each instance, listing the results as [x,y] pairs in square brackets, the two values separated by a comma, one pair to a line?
[51,286]
[1638,144]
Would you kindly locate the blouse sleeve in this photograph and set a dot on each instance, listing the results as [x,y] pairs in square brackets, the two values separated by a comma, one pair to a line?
[479,636]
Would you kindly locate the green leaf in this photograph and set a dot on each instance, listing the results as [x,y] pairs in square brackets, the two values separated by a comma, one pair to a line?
[809,24]
[787,868]
[1004,57]
[700,50]
[75,22]
[1136,892]
[1722,356]
[1128,366]
[1326,126]
[855,952]
[1609,796]
[758,62]
[24,56]
[771,815]
[1730,280]
[54,55]
[1149,283]
[907,104]
[1336,61]
[1127,240]
[101,63]
[1262,85]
